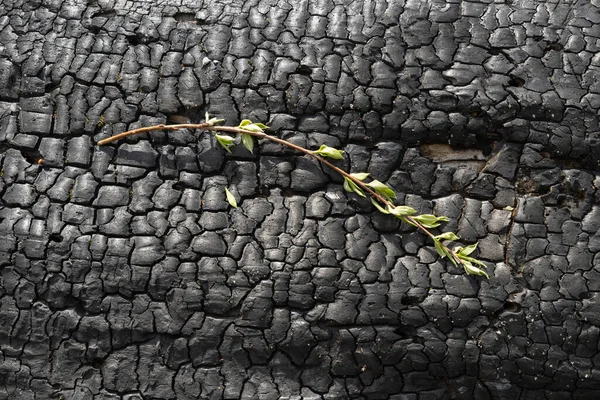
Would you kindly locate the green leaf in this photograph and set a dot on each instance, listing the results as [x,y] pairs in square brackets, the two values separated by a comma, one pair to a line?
[430,220]
[261,126]
[447,236]
[347,186]
[377,206]
[330,152]
[472,260]
[452,259]
[361,176]
[440,249]
[382,189]
[404,219]
[350,186]
[476,261]
[244,123]
[230,199]
[427,220]
[467,250]
[357,190]
[253,128]
[444,252]
[225,141]
[212,121]
[248,142]
[401,211]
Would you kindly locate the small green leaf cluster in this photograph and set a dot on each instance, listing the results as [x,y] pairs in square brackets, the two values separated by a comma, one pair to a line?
[464,255]
[351,186]
[460,255]
[250,126]
[227,141]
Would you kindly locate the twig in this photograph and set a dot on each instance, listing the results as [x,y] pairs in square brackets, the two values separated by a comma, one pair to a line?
[145,129]
[261,135]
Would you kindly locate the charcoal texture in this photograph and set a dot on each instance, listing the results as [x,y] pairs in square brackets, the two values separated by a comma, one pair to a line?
[125,274]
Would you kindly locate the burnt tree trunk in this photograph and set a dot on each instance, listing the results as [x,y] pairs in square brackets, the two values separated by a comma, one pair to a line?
[125,275]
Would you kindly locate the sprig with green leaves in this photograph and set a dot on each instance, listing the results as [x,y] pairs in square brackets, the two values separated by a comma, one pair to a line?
[382,196]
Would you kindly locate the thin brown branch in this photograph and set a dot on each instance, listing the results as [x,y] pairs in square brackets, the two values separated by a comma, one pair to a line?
[145,129]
